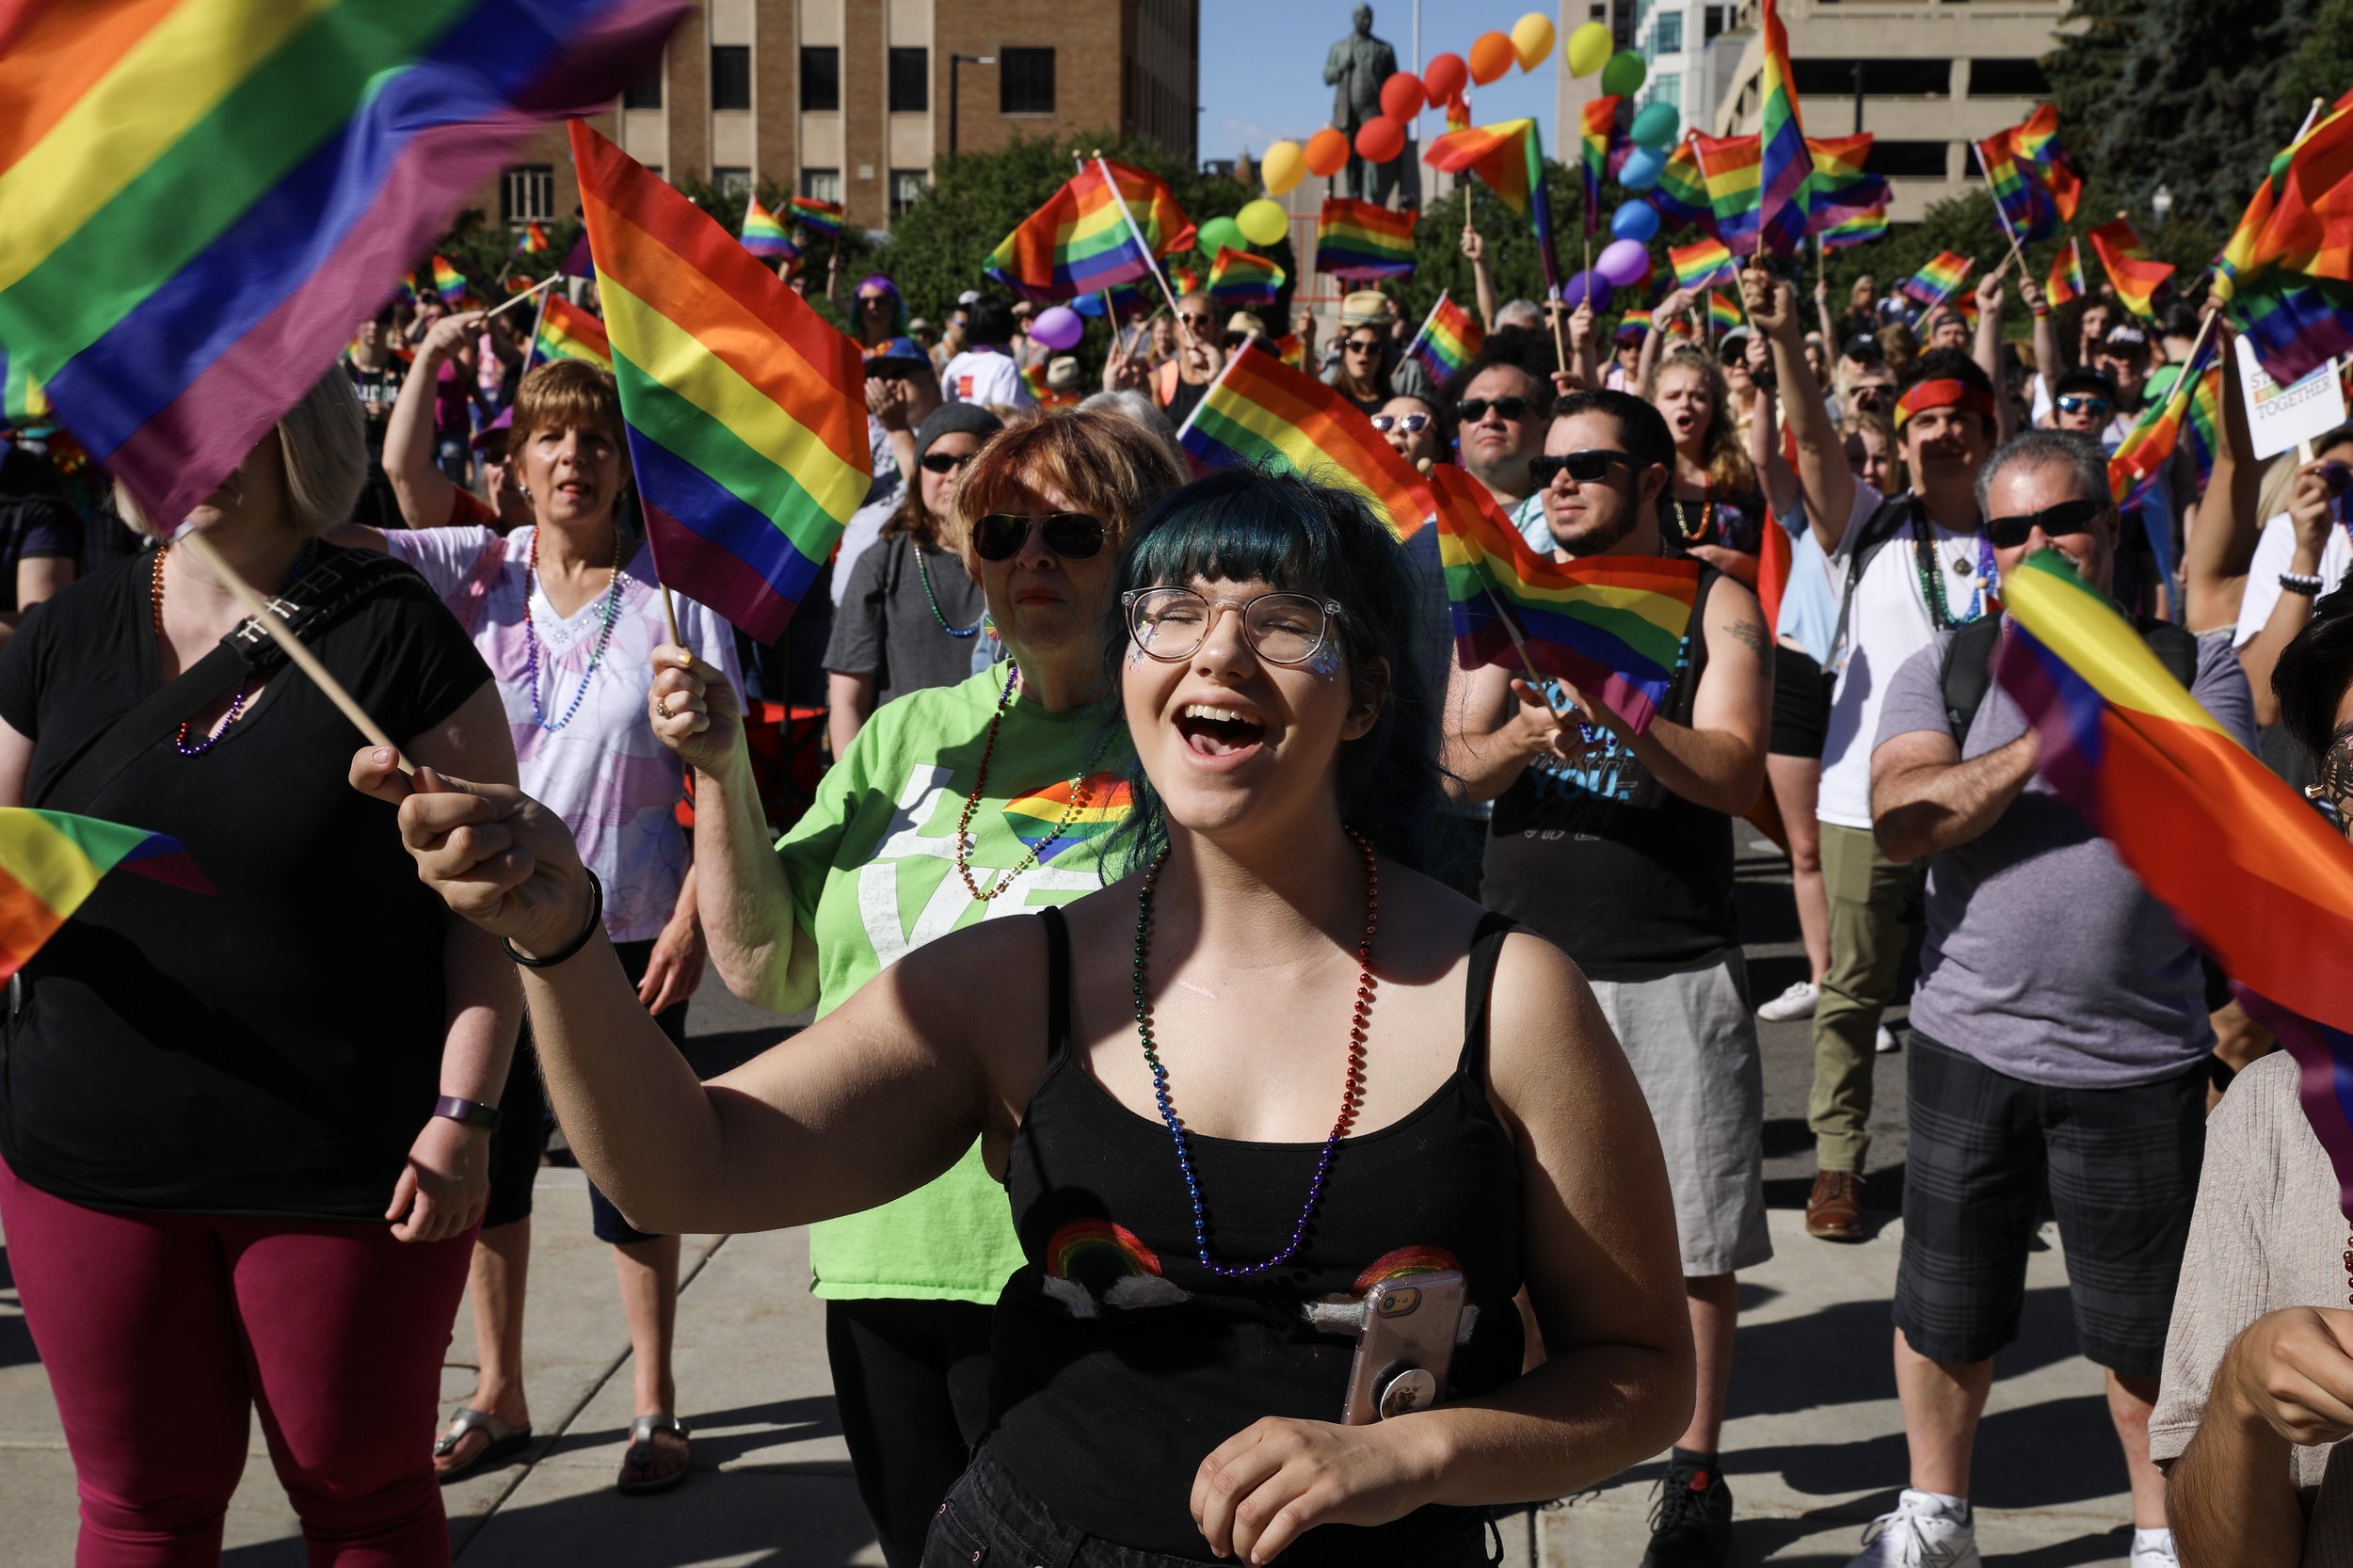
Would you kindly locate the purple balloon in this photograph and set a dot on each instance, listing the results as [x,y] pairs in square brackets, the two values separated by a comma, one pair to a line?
[1586,286]
[1622,262]
[1058,329]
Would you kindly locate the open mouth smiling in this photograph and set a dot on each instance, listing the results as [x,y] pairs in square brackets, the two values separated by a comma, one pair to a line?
[1215,731]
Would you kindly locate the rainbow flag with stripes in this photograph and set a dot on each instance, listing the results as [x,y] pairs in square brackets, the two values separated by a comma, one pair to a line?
[1733,167]
[1859,227]
[23,404]
[1449,339]
[2038,141]
[2138,465]
[2137,276]
[1941,274]
[2287,273]
[448,281]
[1035,817]
[1609,625]
[1597,131]
[1785,162]
[567,332]
[2029,213]
[1842,188]
[1698,264]
[2066,283]
[1292,350]
[1083,239]
[1183,279]
[824,219]
[2272,896]
[1361,240]
[747,413]
[1633,327]
[532,241]
[763,236]
[1681,193]
[1508,159]
[1261,411]
[203,196]
[1722,315]
[50,861]
[1239,280]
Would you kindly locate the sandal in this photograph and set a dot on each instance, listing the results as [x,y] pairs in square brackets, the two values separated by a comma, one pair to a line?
[504,1444]
[643,1454]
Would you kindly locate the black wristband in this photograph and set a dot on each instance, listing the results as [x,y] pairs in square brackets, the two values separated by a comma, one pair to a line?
[596,924]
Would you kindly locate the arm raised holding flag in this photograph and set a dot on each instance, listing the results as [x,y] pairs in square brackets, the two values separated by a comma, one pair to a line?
[1823,475]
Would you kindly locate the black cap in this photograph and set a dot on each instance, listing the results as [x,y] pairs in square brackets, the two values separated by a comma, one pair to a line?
[1863,349]
[2085,380]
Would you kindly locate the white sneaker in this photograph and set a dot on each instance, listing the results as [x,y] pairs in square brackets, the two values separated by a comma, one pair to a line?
[1884,1042]
[1796,1003]
[2153,1554]
[1919,1534]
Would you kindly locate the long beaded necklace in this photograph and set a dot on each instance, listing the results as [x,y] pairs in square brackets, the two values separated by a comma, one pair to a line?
[1931,573]
[1079,792]
[531,634]
[925,574]
[1352,1094]
[236,704]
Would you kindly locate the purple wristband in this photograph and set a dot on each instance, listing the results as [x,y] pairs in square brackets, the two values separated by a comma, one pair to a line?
[470,1113]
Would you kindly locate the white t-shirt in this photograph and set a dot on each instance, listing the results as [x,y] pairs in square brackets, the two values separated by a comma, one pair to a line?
[2272,554]
[1887,624]
[984,375]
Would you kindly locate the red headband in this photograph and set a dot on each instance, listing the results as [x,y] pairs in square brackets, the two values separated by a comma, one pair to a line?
[1943,392]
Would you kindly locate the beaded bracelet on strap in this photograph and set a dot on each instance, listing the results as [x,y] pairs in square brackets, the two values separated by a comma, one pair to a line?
[2298,582]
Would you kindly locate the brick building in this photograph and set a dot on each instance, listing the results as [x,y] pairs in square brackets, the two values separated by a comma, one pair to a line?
[851,101]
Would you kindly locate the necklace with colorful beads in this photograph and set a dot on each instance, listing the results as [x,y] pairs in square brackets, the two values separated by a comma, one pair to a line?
[1079,791]
[236,704]
[1352,1093]
[1931,571]
[925,574]
[531,634]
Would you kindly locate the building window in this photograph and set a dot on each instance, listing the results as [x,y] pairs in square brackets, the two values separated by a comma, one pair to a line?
[1918,160]
[822,185]
[730,77]
[1666,34]
[1881,78]
[646,94]
[821,77]
[1665,87]
[907,189]
[910,81]
[1025,81]
[2016,78]
[733,182]
[1713,23]
[527,192]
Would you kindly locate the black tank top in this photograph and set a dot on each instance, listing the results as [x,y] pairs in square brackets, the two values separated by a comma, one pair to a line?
[1119,1362]
[1627,877]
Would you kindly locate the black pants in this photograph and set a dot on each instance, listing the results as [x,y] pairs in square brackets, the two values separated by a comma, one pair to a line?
[911,1381]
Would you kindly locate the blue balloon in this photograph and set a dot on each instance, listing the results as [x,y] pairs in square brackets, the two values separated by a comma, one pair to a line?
[1643,166]
[1635,220]
[1586,286]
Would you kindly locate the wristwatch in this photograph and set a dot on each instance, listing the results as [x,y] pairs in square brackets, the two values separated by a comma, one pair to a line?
[470,1112]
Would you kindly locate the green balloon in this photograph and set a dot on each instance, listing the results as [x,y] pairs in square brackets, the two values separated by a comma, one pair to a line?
[1222,234]
[1656,126]
[1625,74]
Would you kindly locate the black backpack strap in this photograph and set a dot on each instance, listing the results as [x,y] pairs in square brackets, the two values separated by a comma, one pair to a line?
[2175,648]
[1967,672]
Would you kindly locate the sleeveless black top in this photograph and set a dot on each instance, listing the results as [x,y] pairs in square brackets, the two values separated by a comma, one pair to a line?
[1628,878]
[1119,1362]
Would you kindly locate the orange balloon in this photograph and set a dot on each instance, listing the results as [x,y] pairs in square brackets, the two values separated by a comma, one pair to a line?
[1446,77]
[1327,152]
[1379,139]
[1491,58]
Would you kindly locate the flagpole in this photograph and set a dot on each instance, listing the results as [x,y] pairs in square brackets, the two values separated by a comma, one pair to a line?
[1216,381]
[538,319]
[2008,233]
[1144,244]
[536,288]
[1528,667]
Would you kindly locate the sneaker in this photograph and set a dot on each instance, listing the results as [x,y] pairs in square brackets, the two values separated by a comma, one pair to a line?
[1884,1041]
[1796,1003]
[1919,1534]
[2153,1554]
[1690,1519]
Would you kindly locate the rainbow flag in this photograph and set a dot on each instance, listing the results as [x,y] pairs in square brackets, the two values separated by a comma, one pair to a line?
[1361,240]
[567,332]
[1842,189]
[2065,285]
[1035,817]
[2038,141]
[1449,339]
[819,217]
[2138,465]
[2020,196]
[1859,227]
[2136,275]
[1633,327]
[203,196]
[1937,280]
[23,404]
[2271,896]
[747,413]
[763,236]
[1183,279]
[1733,167]
[532,241]
[2287,273]
[1033,378]
[1083,239]
[1700,264]
[1597,131]
[50,861]
[1722,315]
[1239,281]
[1261,411]
[1290,350]
[1508,159]
[1785,162]
[1681,194]
[1609,625]
[448,281]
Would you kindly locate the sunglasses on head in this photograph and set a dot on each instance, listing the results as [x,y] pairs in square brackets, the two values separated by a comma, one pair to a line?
[2076,402]
[942,462]
[1473,409]
[1413,425]
[1589,466]
[1072,536]
[2068,517]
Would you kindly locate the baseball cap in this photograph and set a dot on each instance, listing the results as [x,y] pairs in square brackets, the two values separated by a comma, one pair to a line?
[892,352]
[493,437]
[1062,372]
[1242,322]
[2127,336]
[1863,349]
[969,297]
[2085,380]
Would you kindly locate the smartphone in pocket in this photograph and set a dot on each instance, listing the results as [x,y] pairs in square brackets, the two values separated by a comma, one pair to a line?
[1405,1347]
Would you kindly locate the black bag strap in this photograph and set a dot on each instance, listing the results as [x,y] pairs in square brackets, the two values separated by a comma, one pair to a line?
[1968,669]
[1878,529]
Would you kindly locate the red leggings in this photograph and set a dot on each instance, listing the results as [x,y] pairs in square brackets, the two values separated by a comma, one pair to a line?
[160,1331]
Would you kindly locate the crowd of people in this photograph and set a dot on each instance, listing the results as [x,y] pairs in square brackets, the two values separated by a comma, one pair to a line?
[1092,1240]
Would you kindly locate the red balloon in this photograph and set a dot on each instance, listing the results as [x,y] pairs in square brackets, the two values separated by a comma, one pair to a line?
[1326,153]
[1446,76]
[1492,56]
[1401,96]
[1379,139]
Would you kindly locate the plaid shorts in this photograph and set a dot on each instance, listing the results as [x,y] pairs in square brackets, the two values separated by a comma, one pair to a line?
[2122,1168]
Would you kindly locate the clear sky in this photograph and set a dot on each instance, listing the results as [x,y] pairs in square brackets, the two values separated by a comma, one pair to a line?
[1262,66]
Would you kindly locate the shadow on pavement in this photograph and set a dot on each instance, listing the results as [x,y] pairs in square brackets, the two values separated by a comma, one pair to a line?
[1785,1368]
[719,1437]
[2043,1456]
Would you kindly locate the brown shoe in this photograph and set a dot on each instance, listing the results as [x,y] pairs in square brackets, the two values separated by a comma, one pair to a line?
[1834,1210]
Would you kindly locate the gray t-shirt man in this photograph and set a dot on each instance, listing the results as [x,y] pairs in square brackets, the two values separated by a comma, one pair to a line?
[2044,958]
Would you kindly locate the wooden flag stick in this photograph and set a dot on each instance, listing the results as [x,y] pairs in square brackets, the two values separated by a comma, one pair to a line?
[2008,233]
[251,601]
[1528,667]
[517,299]
[1144,244]
[669,615]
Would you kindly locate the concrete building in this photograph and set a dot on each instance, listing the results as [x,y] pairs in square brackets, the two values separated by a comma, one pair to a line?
[851,101]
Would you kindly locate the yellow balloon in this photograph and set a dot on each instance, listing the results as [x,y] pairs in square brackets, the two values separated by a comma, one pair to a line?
[1262,222]
[1532,38]
[1590,48]
[1283,167]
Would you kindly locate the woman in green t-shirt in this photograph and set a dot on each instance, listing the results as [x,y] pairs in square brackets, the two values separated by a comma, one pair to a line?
[991,796]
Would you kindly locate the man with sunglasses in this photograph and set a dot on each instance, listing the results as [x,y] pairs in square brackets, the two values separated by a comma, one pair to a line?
[1912,564]
[2059,1031]
[1499,403]
[1619,848]
[987,372]
[1181,381]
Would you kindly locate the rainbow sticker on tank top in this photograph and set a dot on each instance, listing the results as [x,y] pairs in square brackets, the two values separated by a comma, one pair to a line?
[1403,1263]
[1087,1255]
[1035,817]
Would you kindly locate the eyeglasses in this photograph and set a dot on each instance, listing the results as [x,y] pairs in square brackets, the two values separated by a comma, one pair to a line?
[2076,402]
[2068,517]
[1473,409]
[1589,466]
[1413,425]
[1361,346]
[942,462]
[1197,320]
[1281,628]
[1072,536]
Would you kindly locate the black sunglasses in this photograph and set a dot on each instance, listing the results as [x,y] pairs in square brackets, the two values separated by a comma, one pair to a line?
[2076,403]
[941,462]
[1589,466]
[2068,517]
[1473,409]
[1361,346]
[1072,536]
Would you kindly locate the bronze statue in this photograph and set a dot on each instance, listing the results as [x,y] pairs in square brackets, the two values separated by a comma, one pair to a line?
[1354,69]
